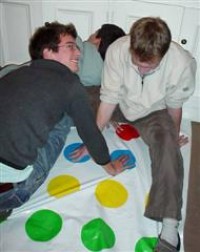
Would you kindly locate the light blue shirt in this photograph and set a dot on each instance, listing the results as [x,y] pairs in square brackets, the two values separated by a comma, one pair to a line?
[90,64]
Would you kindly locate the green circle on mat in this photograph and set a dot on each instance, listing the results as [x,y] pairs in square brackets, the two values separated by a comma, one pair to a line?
[97,235]
[43,225]
[146,244]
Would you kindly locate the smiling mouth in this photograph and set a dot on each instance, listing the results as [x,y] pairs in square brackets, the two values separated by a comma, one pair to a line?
[75,61]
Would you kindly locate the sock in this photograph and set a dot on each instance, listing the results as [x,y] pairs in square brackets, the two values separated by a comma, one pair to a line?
[169,231]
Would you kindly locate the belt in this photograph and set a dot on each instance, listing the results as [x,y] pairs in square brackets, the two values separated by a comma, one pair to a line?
[5,187]
[8,163]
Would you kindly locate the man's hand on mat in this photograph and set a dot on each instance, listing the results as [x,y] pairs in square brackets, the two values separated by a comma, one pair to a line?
[79,153]
[118,165]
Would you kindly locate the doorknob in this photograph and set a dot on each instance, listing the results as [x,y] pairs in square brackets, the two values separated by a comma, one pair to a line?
[184,41]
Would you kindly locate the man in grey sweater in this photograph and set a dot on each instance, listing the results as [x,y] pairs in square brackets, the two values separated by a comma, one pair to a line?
[38,103]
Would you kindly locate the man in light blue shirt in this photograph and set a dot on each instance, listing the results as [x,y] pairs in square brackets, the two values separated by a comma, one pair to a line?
[93,53]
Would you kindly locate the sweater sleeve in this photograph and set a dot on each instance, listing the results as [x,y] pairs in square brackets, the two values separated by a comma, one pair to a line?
[112,75]
[178,93]
[84,120]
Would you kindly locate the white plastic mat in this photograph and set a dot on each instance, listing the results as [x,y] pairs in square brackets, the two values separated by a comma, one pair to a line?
[80,208]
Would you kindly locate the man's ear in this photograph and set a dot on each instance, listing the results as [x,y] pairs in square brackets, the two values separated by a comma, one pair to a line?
[47,53]
[98,41]
[94,40]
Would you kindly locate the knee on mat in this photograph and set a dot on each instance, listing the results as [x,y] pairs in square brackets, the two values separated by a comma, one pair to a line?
[164,137]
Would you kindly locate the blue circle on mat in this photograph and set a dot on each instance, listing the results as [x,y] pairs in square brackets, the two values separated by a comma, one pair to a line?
[70,148]
[118,153]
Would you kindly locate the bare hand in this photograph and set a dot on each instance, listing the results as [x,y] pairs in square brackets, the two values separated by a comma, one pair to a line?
[115,125]
[118,165]
[182,140]
[79,153]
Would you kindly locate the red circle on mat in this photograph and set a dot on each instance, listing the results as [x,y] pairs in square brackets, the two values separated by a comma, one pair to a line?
[127,132]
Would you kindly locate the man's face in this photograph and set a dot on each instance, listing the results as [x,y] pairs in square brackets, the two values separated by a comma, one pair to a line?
[145,67]
[94,40]
[68,53]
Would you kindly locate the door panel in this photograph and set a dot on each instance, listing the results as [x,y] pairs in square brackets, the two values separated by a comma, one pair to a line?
[87,16]
[126,13]
[18,21]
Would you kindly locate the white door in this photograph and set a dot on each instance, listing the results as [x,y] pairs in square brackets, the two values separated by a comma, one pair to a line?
[125,13]
[18,20]
[87,16]
[190,39]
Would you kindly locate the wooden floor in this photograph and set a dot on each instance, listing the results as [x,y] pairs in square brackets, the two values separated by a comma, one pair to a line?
[192,223]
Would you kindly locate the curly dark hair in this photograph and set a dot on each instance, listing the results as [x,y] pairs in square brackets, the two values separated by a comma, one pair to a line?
[48,36]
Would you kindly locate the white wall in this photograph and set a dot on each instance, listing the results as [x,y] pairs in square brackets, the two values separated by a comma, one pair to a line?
[185,3]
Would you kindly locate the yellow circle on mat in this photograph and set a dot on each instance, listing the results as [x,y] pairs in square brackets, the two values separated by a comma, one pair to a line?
[63,185]
[111,193]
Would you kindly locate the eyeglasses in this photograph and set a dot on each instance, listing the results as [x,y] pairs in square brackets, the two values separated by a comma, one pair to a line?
[70,45]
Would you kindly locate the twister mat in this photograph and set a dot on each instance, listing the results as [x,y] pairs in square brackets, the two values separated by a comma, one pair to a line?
[81,208]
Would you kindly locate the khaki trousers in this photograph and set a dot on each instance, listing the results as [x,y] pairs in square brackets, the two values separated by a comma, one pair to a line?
[165,197]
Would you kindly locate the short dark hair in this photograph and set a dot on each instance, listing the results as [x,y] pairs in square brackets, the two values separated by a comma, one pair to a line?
[108,34]
[48,36]
[150,38]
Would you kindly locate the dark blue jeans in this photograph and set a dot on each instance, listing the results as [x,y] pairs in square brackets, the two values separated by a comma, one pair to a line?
[47,157]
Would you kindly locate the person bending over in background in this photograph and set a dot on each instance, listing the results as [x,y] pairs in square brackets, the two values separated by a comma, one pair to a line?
[150,77]
[93,53]
[91,61]
[38,103]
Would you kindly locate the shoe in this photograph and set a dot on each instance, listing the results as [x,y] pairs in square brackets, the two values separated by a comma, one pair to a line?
[164,246]
[5,214]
